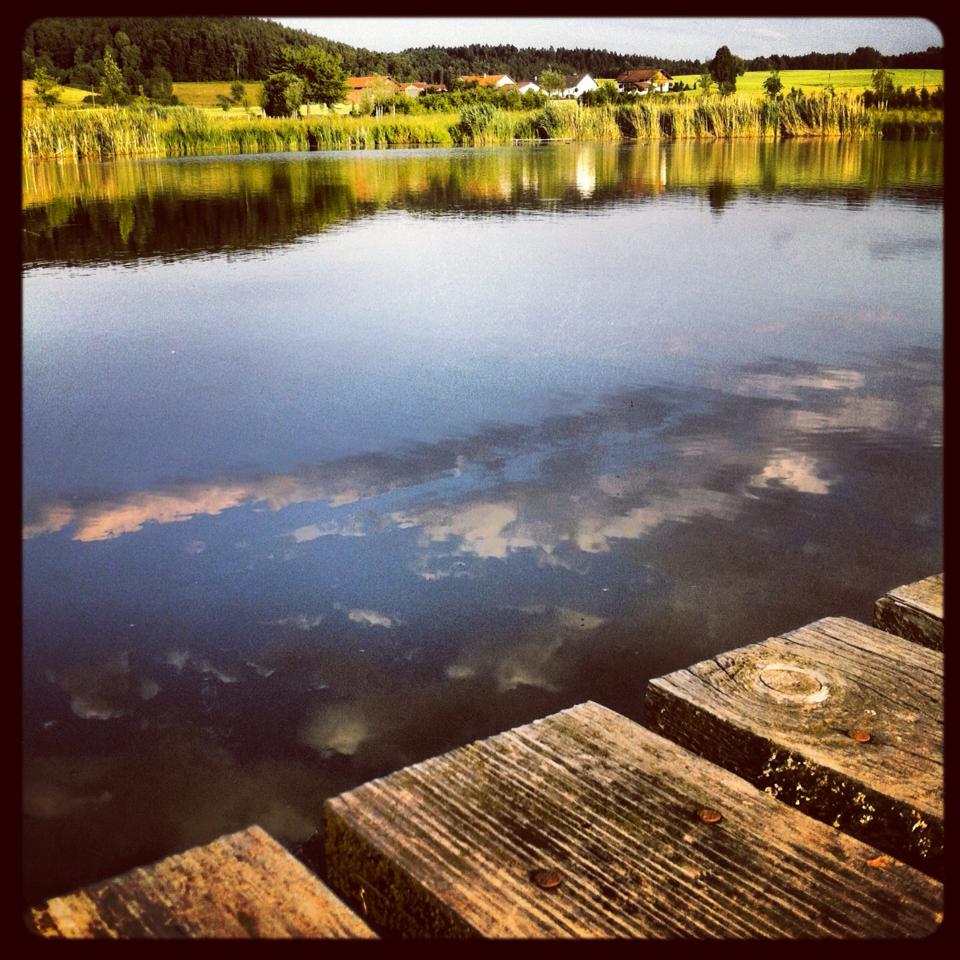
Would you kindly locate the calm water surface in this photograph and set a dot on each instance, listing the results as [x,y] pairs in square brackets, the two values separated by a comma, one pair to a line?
[333,462]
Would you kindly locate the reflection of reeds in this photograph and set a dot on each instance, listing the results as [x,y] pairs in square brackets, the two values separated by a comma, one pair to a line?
[132,209]
[907,124]
[118,132]
[433,180]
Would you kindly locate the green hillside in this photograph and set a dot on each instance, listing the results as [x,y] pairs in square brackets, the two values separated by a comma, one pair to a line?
[207,49]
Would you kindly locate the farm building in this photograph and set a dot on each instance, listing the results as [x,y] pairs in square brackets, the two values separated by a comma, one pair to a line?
[415,88]
[358,87]
[526,86]
[489,80]
[642,81]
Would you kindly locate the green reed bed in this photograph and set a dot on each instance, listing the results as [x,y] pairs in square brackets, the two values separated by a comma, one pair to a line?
[341,133]
[179,132]
[184,131]
[654,119]
[569,121]
[595,123]
[822,115]
[482,125]
[90,133]
[814,115]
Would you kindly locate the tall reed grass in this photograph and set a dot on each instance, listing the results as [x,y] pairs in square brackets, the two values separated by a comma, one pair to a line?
[186,131]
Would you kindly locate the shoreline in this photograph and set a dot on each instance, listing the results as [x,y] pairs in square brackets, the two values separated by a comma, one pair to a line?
[122,132]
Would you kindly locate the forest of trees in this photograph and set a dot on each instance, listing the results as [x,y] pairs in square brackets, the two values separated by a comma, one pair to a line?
[863,58]
[149,50]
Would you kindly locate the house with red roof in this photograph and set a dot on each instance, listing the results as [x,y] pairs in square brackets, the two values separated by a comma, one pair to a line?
[358,87]
[496,80]
[643,81]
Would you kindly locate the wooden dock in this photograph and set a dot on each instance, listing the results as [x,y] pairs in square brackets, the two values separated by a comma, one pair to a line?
[791,788]
[838,719]
[241,886]
[913,611]
[585,824]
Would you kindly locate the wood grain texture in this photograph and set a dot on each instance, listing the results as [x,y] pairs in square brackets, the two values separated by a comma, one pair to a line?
[913,611]
[780,714]
[241,885]
[447,847]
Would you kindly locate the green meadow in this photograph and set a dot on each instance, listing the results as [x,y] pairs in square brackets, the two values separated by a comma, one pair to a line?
[811,81]
[205,94]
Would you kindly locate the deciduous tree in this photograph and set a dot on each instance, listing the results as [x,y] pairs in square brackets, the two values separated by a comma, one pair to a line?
[45,87]
[160,85]
[552,81]
[773,85]
[239,52]
[725,67]
[321,73]
[882,80]
[282,94]
[113,90]
[376,96]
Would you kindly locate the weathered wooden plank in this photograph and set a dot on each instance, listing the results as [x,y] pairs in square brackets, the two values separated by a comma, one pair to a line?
[448,847]
[241,885]
[781,714]
[913,611]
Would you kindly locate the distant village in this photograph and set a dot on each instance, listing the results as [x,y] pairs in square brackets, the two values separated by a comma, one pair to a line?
[637,82]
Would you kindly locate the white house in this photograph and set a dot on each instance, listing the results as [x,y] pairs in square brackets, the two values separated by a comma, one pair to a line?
[526,86]
[576,86]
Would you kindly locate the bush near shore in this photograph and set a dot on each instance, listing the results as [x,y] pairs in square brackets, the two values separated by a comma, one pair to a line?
[185,131]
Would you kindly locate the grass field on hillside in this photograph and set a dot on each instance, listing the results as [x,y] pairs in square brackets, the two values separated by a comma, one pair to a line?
[68,95]
[851,81]
[189,94]
[205,94]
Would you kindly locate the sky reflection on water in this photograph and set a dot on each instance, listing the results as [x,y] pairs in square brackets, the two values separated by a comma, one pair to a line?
[430,459]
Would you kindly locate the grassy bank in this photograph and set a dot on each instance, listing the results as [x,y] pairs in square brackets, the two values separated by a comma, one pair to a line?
[184,131]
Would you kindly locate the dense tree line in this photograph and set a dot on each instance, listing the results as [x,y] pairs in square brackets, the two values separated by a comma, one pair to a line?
[863,58]
[189,48]
[442,64]
[219,48]
[153,49]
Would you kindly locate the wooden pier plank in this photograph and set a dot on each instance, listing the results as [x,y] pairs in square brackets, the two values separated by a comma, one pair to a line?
[241,885]
[781,713]
[913,611]
[446,847]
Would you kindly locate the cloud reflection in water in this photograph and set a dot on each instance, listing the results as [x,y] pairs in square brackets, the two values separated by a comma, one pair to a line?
[635,462]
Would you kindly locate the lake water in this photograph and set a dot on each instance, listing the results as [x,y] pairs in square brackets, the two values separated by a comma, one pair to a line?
[333,462]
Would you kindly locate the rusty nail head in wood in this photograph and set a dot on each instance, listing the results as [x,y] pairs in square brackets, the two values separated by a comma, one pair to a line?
[860,736]
[546,879]
[707,815]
